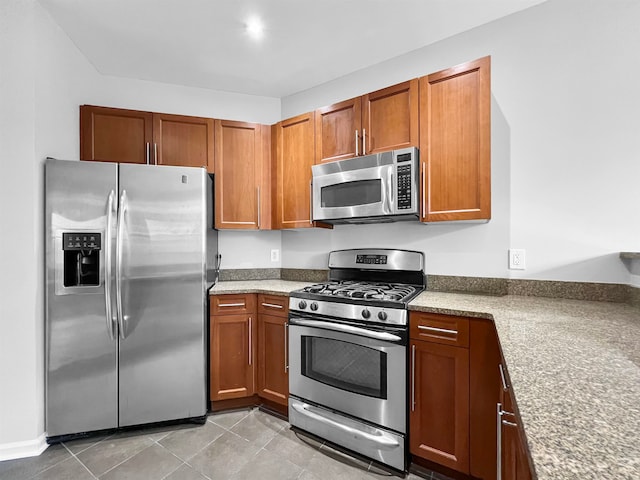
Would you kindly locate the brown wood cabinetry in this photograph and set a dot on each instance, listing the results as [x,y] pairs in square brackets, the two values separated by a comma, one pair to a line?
[456,386]
[183,141]
[439,403]
[242,179]
[115,135]
[514,458]
[484,357]
[293,149]
[233,329]
[248,348]
[130,136]
[455,143]
[379,121]
[273,362]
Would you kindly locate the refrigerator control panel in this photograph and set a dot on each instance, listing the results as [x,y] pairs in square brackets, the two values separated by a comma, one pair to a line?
[81,241]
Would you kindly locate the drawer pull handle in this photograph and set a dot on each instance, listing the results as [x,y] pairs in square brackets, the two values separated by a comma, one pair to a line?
[231,304]
[272,305]
[439,330]
[508,423]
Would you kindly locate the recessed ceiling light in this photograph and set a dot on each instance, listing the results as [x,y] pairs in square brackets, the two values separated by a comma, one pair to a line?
[255,28]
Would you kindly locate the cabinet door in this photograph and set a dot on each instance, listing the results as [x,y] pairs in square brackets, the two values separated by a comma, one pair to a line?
[455,143]
[439,419]
[514,458]
[390,118]
[115,135]
[242,201]
[232,356]
[338,131]
[294,149]
[273,368]
[484,387]
[183,141]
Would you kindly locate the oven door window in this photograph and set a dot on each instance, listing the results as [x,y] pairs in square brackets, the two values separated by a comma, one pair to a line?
[350,194]
[344,365]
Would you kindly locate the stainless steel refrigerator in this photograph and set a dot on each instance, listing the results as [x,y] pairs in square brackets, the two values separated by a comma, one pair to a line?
[130,254]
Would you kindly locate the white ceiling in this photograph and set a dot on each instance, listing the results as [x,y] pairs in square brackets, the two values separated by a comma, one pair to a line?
[203,43]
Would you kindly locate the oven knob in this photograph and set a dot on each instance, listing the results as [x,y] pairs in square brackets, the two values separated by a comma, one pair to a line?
[366,313]
[382,316]
[314,306]
[302,305]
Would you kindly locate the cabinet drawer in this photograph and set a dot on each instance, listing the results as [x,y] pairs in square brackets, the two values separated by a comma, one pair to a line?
[444,329]
[273,304]
[233,304]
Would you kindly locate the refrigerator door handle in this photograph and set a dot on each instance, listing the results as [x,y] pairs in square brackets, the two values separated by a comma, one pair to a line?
[107,270]
[119,247]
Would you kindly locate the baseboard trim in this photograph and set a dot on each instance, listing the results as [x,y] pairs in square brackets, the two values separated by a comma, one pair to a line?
[28,448]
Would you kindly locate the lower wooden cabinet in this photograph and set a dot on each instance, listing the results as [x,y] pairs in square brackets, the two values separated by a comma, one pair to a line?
[248,347]
[456,384]
[514,462]
[439,417]
[232,354]
[273,360]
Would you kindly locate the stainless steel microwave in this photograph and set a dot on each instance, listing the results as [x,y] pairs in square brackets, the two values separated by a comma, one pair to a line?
[382,187]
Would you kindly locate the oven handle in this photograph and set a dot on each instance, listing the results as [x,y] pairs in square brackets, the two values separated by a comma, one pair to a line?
[338,327]
[383,441]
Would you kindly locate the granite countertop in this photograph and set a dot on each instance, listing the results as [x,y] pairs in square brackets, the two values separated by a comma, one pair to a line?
[574,368]
[575,372]
[272,287]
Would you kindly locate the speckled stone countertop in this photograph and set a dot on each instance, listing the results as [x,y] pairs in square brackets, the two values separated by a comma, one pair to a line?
[272,287]
[575,372]
[574,368]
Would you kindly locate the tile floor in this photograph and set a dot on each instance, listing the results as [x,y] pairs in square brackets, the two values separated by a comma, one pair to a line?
[238,445]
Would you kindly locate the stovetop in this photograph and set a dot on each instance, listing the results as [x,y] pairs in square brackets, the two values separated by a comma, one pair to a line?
[365,285]
[362,290]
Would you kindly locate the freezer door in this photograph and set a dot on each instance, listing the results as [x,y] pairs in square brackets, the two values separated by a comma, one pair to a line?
[81,348]
[161,270]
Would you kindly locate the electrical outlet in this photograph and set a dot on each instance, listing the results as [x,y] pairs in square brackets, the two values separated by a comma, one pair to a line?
[275,255]
[517,259]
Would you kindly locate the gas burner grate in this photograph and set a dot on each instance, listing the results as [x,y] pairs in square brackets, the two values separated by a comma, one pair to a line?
[363,290]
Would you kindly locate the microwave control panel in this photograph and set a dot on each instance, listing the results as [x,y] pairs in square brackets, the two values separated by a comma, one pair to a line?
[404,184]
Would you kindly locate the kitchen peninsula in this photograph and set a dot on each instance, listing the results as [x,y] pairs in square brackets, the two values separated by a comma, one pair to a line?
[574,367]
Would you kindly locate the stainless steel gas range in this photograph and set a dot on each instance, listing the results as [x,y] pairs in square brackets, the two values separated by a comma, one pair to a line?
[348,352]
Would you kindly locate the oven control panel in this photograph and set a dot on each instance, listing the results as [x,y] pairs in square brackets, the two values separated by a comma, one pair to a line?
[348,311]
[371,259]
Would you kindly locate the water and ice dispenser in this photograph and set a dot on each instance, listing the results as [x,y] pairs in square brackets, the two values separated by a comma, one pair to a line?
[81,263]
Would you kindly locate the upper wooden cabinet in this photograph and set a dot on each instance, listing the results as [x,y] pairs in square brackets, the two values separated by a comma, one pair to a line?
[379,121]
[115,135]
[130,136]
[242,179]
[293,147]
[455,143]
[338,129]
[183,141]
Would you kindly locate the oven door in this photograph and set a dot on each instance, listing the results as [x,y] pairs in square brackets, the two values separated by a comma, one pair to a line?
[352,369]
[364,192]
